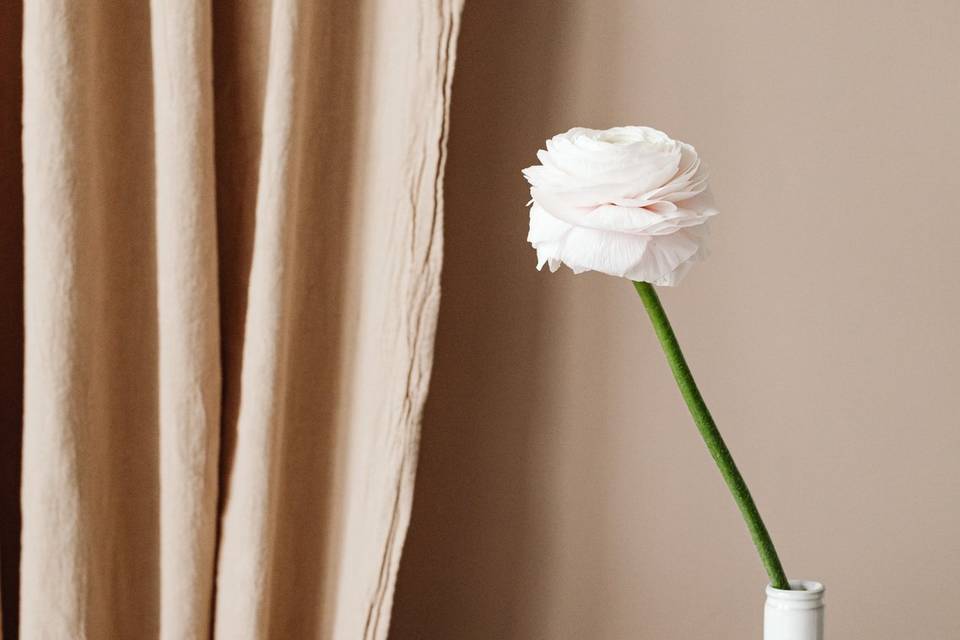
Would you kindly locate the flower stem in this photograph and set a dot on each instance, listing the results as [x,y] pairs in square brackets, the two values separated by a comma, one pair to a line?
[711,435]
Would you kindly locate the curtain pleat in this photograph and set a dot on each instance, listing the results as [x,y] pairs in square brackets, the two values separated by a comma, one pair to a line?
[91,477]
[188,331]
[272,331]
[232,248]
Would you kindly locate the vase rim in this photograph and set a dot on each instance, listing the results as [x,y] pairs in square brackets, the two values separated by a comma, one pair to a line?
[800,590]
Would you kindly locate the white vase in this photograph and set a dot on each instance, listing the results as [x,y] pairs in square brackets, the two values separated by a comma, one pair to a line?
[796,614]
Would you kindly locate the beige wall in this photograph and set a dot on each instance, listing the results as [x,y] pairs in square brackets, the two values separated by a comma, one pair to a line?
[563,491]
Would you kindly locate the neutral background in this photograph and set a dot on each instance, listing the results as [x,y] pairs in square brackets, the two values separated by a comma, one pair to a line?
[563,491]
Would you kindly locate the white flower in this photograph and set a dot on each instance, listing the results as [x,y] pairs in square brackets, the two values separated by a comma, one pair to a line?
[629,201]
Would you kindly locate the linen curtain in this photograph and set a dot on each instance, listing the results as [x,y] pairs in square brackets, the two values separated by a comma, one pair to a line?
[232,241]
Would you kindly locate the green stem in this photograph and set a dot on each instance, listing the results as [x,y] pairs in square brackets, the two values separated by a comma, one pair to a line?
[711,435]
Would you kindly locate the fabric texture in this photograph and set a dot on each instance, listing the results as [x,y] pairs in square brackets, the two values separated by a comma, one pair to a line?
[232,223]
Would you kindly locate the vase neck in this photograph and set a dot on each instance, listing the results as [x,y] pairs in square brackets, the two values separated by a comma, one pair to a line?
[794,614]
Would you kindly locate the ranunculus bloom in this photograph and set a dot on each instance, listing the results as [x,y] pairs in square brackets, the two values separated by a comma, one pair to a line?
[629,201]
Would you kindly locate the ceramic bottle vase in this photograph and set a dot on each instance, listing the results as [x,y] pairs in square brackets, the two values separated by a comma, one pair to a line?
[796,614]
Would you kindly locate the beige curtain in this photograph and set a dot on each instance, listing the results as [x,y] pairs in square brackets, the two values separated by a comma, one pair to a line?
[232,223]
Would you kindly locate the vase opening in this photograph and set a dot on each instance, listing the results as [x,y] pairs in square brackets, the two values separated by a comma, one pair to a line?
[799,589]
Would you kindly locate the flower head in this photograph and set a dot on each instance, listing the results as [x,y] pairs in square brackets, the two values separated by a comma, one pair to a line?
[629,202]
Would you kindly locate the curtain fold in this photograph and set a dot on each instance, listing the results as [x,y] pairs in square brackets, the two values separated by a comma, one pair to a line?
[232,234]
[188,332]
